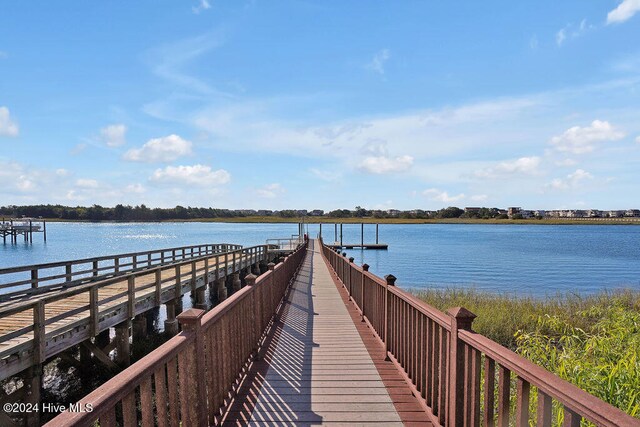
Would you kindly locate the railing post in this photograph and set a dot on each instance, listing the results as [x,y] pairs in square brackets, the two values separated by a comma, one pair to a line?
[67,272]
[365,267]
[350,277]
[461,319]
[391,281]
[250,280]
[195,393]
[93,310]
[272,268]
[34,278]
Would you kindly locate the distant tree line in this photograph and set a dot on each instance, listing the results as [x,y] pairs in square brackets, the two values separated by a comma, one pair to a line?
[143,213]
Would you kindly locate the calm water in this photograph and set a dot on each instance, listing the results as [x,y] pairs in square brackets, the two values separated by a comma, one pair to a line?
[535,260]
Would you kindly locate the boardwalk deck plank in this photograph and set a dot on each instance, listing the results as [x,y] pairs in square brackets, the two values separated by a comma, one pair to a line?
[316,368]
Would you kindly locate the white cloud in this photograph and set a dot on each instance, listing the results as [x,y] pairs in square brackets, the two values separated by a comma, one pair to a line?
[270,191]
[114,135]
[441,196]
[202,5]
[383,164]
[8,127]
[579,140]
[165,149]
[624,11]
[521,166]
[572,31]
[378,61]
[87,183]
[572,181]
[25,183]
[199,175]
[3,55]
[533,42]
[62,172]
[638,139]
[561,36]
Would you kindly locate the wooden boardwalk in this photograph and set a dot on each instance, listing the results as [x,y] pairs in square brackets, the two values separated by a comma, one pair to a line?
[317,368]
[70,320]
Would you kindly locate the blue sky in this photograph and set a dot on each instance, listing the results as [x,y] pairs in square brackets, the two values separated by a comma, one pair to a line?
[320,105]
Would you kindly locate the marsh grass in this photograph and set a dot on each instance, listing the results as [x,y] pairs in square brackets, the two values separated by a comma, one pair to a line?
[591,341]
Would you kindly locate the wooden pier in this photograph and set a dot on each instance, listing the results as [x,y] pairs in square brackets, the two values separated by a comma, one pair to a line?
[22,227]
[317,339]
[36,328]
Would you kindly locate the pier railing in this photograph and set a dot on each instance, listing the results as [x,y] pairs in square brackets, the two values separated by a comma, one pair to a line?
[36,279]
[45,325]
[190,379]
[464,378]
[285,244]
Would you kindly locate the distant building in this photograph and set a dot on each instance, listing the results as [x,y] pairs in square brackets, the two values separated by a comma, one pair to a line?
[633,213]
[471,210]
[316,212]
[301,212]
[513,211]
[393,212]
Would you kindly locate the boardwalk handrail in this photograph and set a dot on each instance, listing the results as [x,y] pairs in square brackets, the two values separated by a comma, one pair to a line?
[181,274]
[191,377]
[40,277]
[448,365]
[285,243]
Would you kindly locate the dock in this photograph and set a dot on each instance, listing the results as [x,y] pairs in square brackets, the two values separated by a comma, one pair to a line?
[338,242]
[22,227]
[318,340]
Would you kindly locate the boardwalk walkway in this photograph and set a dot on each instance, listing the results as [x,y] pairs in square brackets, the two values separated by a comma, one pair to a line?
[317,369]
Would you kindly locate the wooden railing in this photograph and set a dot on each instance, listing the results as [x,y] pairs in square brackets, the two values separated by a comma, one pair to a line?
[95,306]
[31,280]
[188,380]
[455,371]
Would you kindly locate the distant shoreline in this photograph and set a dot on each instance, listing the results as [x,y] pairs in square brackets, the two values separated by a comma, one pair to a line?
[369,220]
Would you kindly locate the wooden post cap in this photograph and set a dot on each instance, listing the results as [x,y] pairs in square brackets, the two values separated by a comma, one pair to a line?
[250,279]
[271,266]
[391,279]
[463,316]
[190,317]
[365,267]
[344,254]
[351,259]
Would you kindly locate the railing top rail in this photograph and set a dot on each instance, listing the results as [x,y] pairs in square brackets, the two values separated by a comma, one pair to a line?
[103,258]
[587,405]
[46,298]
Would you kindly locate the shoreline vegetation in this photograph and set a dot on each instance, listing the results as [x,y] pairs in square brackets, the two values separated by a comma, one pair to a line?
[591,341]
[370,220]
[449,215]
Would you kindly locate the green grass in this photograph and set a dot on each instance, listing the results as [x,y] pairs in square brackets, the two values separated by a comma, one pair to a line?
[591,341]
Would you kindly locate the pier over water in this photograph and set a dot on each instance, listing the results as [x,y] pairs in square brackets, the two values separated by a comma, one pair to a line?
[310,338]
